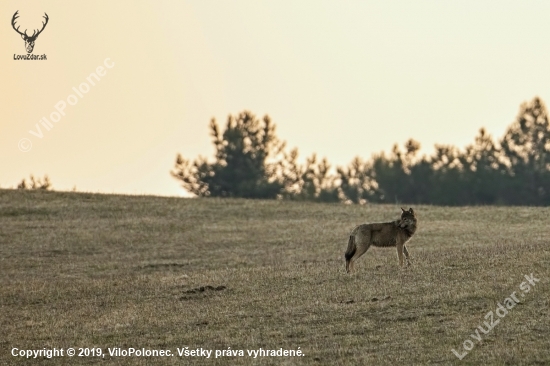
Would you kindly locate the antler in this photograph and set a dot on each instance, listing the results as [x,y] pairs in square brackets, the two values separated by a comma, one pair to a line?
[34,34]
[15,16]
[43,26]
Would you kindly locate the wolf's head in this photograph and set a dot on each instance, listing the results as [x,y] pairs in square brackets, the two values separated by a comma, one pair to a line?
[408,220]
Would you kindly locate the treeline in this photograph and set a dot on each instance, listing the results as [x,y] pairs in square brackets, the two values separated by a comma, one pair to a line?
[251,162]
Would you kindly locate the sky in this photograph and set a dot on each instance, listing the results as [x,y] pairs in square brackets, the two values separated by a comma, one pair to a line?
[338,78]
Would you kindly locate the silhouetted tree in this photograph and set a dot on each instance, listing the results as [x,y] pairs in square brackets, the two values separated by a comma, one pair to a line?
[244,165]
[526,147]
[316,183]
[357,184]
[448,183]
[393,173]
[36,183]
[484,170]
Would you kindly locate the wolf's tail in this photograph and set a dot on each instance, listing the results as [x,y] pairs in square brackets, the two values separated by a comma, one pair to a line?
[350,251]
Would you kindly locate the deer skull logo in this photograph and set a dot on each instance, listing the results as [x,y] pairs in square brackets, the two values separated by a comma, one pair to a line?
[29,40]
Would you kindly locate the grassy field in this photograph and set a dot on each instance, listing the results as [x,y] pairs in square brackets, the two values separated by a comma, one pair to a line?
[105,271]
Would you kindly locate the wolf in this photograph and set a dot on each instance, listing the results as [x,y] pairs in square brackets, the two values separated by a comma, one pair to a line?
[387,234]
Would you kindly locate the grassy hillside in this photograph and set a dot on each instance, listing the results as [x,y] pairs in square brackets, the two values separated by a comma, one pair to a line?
[89,270]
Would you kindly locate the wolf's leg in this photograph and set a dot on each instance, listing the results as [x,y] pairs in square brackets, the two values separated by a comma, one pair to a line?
[362,243]
[407,256]
[350,252]
[350,265]
[400,254]
[361,249]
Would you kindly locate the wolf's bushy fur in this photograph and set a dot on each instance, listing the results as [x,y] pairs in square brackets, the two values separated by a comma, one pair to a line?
[387,234]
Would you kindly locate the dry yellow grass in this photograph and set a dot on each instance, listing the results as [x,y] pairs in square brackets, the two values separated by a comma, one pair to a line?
[87,270]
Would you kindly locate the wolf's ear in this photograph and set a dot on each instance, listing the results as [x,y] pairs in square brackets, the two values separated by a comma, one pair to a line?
[411,210]
[402,209]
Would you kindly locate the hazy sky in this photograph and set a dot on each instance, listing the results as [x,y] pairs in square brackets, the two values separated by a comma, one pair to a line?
[342,79]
